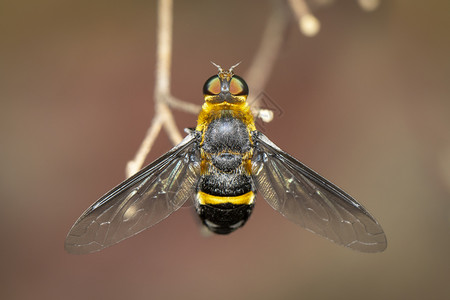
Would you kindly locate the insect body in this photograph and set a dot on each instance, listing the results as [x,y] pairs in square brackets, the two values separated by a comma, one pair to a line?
[225,193]
[219,166]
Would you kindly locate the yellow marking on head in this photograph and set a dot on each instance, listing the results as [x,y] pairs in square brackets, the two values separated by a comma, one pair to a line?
[205,199]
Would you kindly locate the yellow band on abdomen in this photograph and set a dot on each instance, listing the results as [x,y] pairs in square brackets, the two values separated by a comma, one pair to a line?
[246,198]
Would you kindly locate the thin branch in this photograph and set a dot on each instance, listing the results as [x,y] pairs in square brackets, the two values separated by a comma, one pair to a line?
[134,165]
[169,123]
[164,47]
[163,63]
[183,105]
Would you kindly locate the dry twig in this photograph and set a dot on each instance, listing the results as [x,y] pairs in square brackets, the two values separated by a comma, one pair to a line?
[163,114]
[257,75]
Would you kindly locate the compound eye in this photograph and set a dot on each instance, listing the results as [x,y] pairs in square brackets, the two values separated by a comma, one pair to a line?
[238,87]
[212,86]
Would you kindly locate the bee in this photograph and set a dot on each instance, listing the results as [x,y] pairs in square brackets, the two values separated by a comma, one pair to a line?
[220,166]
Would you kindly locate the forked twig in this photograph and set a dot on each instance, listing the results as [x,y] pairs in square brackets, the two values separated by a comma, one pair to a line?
[163,114]
[257,75]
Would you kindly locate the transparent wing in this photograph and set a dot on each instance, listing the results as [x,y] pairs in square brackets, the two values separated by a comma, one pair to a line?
[308,199]
[139,202]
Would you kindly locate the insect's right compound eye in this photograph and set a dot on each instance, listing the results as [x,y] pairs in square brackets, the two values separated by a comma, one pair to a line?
[238,86]
[212,86]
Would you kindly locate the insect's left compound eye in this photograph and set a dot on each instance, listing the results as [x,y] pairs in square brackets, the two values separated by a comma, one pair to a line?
[212,86]
[238,86]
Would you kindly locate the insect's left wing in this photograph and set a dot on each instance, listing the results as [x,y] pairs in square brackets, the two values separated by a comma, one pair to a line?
[139,202]
[308,199]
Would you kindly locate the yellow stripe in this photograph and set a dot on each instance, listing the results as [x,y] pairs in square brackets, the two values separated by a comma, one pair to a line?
[204,198]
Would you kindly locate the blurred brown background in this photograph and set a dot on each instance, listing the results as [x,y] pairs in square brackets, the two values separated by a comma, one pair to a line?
[366,104]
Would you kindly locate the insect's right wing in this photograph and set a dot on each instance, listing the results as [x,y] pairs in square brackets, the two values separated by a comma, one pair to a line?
[140,201]
[308,199]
